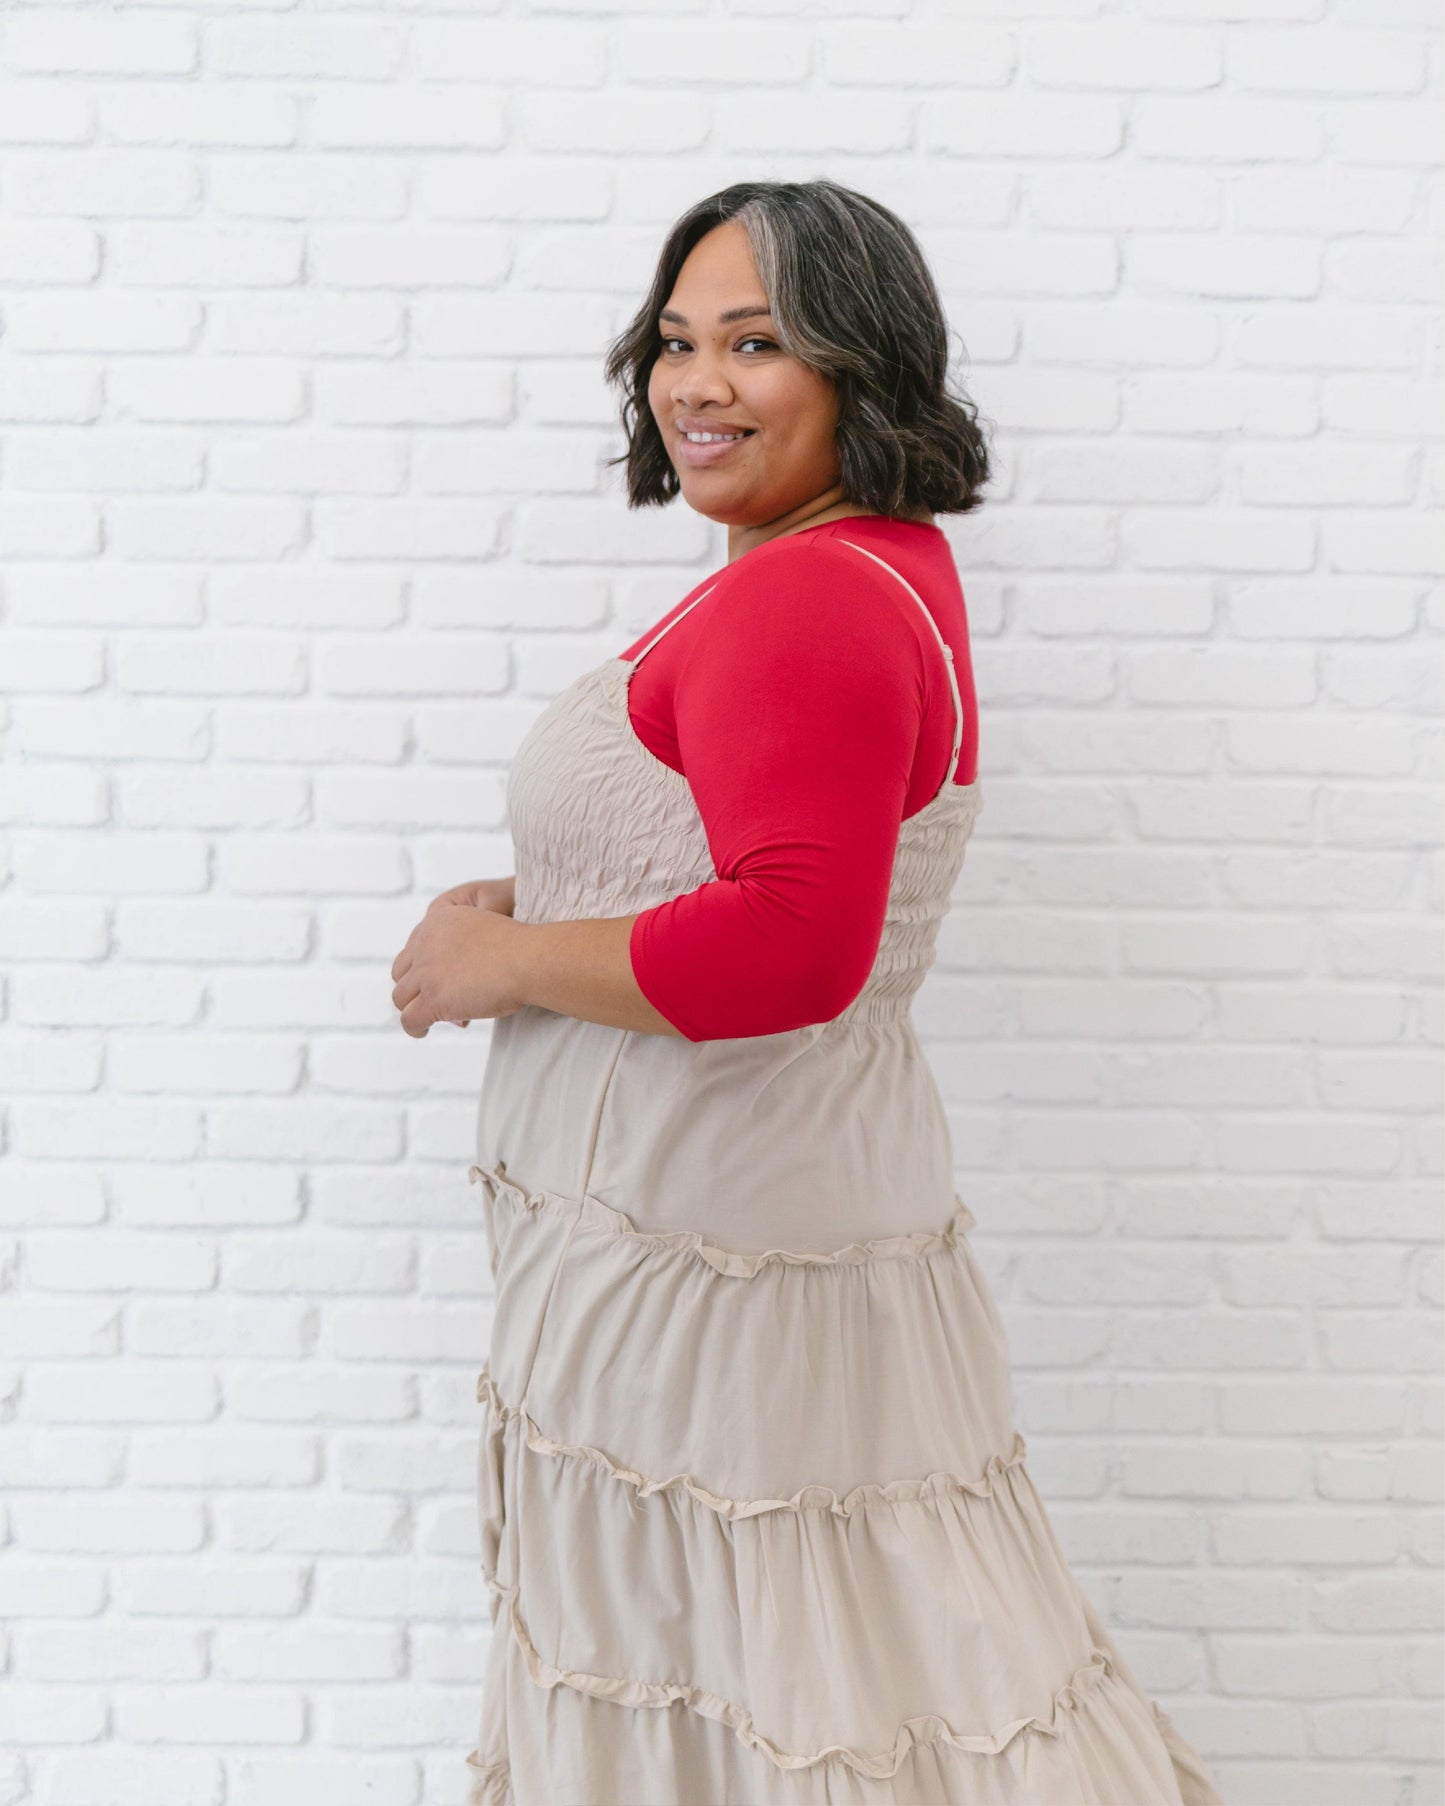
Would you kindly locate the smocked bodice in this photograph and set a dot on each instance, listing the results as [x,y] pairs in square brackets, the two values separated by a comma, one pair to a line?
[579,853]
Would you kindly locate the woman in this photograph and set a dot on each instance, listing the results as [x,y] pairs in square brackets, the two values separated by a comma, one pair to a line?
[753,1508]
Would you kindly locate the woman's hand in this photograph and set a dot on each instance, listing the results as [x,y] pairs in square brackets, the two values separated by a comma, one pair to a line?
[482,893]
[455,963]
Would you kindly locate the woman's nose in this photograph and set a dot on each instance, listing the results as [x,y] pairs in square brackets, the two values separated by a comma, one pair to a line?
[704,378]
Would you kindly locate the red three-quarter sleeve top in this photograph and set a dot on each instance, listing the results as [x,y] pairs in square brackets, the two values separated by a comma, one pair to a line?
[806,700]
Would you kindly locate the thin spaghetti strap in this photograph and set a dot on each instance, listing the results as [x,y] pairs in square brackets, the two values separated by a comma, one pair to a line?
[943,643]
[672,623]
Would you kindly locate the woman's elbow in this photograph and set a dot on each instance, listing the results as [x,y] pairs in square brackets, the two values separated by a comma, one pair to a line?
[839,988]
[820,990]
[806,1000]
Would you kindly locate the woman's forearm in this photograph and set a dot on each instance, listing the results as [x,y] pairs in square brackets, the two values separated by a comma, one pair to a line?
[584,969]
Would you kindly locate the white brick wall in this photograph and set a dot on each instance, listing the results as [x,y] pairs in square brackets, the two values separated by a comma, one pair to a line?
[303,517]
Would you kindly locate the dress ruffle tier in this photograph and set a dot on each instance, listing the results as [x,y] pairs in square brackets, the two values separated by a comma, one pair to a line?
[690,1591]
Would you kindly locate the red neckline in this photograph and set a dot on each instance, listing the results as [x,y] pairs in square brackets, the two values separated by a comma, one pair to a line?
[864,520]
[891,520]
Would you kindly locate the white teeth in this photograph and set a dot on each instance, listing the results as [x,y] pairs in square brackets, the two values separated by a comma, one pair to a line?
[711,438]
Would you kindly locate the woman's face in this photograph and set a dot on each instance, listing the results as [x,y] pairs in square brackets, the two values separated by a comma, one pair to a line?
[718,375]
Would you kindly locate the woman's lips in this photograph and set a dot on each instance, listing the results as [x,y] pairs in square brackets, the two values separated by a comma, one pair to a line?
[698,457]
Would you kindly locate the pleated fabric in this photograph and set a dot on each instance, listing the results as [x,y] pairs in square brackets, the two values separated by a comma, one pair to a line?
[757,1524]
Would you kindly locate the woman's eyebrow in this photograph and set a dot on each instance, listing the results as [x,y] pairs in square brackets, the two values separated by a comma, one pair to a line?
[733,313]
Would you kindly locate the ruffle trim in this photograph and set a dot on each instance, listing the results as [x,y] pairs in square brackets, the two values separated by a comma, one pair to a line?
[913,1733]
[489,1783]
[918,1244]
[807,1498]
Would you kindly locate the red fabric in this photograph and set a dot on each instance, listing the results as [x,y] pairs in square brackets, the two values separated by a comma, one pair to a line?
[807,702]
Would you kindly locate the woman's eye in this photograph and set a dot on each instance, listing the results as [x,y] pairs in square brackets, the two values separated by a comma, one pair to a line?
[752,339]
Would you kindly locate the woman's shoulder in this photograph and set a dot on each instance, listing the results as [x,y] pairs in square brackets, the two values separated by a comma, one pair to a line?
[811,561]
[818,578]
[871,554]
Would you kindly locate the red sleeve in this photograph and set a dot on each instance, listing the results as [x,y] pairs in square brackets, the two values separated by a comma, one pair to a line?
[797,709]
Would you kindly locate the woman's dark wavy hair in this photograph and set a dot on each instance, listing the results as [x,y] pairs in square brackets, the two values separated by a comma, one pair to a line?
[854,299]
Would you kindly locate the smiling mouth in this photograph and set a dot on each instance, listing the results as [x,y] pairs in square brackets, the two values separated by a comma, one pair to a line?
[710,438]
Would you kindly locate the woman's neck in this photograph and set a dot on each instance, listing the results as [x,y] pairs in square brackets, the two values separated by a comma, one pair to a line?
[831,505]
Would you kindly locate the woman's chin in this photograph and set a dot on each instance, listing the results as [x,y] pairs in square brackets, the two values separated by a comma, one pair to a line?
[718,502]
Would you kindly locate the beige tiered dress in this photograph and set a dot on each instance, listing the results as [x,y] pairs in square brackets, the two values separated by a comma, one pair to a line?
[754,1512]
